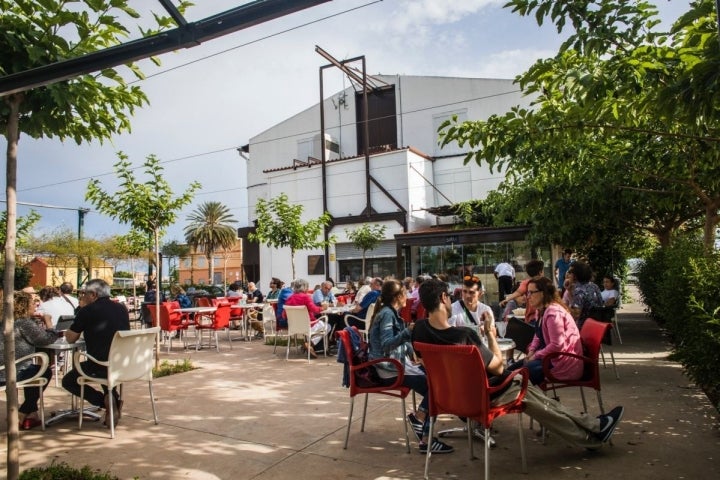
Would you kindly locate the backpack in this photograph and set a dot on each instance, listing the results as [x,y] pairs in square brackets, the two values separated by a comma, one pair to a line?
[367,376]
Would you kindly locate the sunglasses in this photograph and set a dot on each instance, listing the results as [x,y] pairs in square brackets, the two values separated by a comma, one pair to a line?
[472,278]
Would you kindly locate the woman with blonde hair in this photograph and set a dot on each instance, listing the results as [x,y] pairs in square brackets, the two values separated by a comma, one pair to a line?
[28,335]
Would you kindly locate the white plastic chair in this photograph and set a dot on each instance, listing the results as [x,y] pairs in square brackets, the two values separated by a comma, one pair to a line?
[299,324]
[130,359]
[36,380]
[268,318]
[366,320]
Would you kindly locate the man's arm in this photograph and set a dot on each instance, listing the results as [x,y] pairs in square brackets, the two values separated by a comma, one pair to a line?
[71,336]
[495,367]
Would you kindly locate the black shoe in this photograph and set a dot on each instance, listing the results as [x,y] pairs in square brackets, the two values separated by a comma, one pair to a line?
[436,446]
[416,425]
[259,335]
[609,422]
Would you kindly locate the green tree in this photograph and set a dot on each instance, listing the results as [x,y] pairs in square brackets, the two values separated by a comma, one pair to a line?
[177,251]
[211,229]
[366,237]
[36,33]
[608,146]
[149,207]
[25,226]
[280,225]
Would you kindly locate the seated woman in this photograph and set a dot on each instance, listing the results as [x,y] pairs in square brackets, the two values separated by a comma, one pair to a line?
[28,335]
[556,331]
[389,337]
[585,294]
[300,297]
[611,292]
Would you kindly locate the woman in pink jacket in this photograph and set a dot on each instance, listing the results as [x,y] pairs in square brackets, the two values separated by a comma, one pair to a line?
[556,331]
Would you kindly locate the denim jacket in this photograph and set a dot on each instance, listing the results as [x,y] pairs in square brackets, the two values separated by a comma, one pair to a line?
[389,338]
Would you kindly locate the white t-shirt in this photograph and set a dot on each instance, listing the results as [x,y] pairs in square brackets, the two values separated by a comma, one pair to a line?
[459,318]
[55,307]
[71,299]
[364,290]
[607,294]
[505,270]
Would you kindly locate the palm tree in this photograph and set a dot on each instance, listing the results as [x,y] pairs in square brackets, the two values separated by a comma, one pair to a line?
[210,230]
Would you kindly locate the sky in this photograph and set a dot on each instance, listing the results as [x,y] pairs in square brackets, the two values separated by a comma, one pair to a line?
[207,101]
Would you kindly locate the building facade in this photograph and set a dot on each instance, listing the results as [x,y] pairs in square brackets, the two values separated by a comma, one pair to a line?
[405,173]
[228,268]
[55,271]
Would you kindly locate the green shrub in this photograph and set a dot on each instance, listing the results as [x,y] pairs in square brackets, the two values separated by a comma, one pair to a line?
[166,368]
[63,471]
[680,285]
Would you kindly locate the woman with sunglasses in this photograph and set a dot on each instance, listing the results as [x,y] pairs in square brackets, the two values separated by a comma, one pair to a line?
[555,331]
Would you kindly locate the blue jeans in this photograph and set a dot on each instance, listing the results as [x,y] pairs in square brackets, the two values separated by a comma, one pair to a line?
[535,368]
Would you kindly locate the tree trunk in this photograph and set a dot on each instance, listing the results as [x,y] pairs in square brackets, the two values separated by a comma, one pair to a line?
[158,294]
[211,269]
[292,261]
[13,441]
[363,265]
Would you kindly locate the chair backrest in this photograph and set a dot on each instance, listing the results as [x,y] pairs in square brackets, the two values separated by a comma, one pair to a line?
[369,314]
[222,316]
[457,380]
[268,313]
[298,319]
[203,302]
[406,312]
[591,335]
[152,312]
[131,355]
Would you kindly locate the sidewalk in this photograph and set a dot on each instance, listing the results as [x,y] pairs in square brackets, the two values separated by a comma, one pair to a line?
[248,414]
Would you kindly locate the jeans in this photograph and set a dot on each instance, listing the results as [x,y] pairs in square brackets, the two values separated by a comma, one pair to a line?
[535,367]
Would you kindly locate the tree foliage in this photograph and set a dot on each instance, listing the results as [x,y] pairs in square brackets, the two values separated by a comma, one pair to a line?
[366,237]
[33,34]
[280,225]
[619,140]
[174,251]
[25,226]
[210,230]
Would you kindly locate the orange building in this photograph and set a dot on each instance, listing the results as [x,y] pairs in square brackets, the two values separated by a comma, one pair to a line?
[228,267]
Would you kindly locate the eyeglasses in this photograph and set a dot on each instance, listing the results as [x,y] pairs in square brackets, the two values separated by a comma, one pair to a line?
[530,292]
[472,278]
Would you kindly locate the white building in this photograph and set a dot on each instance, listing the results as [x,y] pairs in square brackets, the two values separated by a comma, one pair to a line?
[408,173]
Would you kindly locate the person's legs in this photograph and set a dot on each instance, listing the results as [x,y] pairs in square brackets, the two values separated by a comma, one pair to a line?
[535,367]
[576,429]
[94,397]
[31,394]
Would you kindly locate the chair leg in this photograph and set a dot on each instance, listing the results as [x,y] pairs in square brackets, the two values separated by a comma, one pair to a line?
[362,428]
[347,431]
[487,453]
[523,456]
[616,328]
[152,402]
[612,357]
[229,340]
[82,402]
[468,427]
[42,409]
[582,395]
[429,453]
[405,423]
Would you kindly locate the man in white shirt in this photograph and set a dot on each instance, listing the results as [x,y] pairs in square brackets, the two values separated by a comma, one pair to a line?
[364,290]
[53,306]
[66,290]
[469,310]
[505,274]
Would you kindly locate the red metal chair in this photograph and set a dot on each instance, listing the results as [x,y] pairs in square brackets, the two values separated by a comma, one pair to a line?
[171,321]
[218,320]
[394,390]
[458,385]
[420,313]
[591,335]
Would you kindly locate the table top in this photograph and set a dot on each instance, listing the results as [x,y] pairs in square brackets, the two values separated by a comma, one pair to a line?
[506,344]
[62,344]
[339,310]
[196,309]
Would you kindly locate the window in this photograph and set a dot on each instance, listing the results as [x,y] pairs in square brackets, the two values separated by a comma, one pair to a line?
[316,264]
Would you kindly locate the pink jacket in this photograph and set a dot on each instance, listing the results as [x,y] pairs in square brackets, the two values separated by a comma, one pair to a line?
[561,335]
[299,299]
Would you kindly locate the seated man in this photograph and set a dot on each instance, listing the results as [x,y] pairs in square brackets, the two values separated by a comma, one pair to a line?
[580,430]
[254,295]
[324,294]
[370,298]
[99,319]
